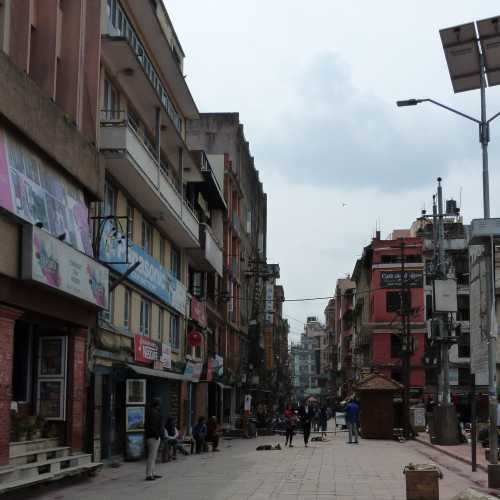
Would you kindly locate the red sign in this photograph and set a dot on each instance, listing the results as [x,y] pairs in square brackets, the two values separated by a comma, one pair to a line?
[199,312]
[195,338]
[146,350]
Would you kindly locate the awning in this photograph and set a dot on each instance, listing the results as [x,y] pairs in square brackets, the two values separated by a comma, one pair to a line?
[149,372]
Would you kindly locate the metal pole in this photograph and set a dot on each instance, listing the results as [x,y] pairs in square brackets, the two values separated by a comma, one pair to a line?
[405,345]
[473,441]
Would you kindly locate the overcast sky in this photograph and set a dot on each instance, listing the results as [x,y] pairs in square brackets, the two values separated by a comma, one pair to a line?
[315,84]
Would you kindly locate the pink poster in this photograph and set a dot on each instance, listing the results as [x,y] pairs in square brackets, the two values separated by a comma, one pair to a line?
[5,196]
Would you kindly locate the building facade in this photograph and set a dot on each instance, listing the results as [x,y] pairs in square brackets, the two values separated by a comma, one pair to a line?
[51,285]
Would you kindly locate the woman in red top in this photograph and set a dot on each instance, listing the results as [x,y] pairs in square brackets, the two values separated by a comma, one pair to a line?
[291,421]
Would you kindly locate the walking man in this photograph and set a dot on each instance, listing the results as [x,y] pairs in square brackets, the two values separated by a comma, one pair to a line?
[154,431]
[306,415]
[352,420]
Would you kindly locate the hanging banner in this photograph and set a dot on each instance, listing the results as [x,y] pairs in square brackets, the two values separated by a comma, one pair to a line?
[35,192]
[166,356]
[150,275]
[269,306]
[199,311]
[54,263]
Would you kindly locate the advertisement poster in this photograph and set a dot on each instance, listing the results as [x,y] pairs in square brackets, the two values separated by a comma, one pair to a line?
[135,445]
[166,356]
[193,371]
[150,275]
[136,418]
[54,263]
[32,190]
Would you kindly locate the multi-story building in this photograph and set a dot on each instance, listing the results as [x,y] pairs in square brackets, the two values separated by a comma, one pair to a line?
[163,209]
[344,303]
[242,339]
[51,286]
[331,352]
[457,264]
[376,319]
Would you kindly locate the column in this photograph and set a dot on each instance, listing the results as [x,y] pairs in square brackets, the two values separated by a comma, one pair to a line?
[76,388]
[8,317]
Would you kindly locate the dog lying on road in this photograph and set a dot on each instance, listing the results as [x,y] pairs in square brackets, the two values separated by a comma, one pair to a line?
[267,447]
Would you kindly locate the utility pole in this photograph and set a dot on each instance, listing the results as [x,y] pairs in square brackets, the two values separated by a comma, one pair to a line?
[404,311]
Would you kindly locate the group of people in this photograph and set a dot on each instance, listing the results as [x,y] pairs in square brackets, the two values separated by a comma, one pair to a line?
[156,433]
[309,415]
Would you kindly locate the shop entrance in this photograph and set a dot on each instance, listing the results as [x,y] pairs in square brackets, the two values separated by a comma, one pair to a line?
[113,409]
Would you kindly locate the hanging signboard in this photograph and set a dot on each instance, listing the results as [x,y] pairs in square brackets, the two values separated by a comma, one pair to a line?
[35,192]
[54,263]
[392,279]
[166,356]
[199,311]
[269,306]
[146,350]
[150,275]
[193,371]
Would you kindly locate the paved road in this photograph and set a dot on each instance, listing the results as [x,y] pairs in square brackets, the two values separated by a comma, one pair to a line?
[331,470]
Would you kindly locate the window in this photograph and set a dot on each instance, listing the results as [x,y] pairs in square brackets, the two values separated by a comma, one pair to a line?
[175,262]
[130,223]
[428,272]
[393,301]
[463,350]
[133,120]
[428,306]
[111,104]
[196,283]
[389,259]
[161,325]
[110,196]
[175,335]
[396,345]
[463,308]
[108,314]
[127,308]
[22,363]
[147,236]
[145,322]
[162,250]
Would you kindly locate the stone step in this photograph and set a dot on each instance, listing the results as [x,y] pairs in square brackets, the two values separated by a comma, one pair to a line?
[41,455]
[20,447]
[50,476]
[33,470]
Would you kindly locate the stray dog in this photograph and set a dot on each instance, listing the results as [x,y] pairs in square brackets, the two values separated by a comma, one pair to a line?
[267,447]
[317,438]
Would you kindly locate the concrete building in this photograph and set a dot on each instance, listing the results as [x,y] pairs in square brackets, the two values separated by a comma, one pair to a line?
[164,209]
[331,352]
[221,135]
[376,321]
[51,286]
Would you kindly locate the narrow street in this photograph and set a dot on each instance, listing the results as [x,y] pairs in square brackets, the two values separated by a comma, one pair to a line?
[334,469]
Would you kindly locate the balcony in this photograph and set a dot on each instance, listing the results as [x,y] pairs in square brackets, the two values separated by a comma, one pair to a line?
[129,160]
[209,256]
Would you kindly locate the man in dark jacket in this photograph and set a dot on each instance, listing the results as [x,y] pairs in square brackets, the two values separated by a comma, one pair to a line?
[306,415]
[352,420]
[154,430]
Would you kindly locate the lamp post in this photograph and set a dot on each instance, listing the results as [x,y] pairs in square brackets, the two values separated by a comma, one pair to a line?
[473,61]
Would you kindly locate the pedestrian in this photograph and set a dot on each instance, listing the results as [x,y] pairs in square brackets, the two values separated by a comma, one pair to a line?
[171,436]
[213,433]
[323,421]
[200,434]
[352,420]
[290,423]
[306,415]
[154,432]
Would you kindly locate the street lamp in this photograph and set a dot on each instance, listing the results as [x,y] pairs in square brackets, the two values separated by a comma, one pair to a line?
[472,52]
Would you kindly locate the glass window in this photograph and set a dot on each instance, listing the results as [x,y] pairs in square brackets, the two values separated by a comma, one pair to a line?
[108,314]
[145,320]
[109,200]
[147,236]
[127,308]
[175,336]
[111,104]
[175,262]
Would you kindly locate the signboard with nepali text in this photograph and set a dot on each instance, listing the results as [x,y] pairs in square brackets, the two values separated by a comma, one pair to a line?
[149,351]
[54,263]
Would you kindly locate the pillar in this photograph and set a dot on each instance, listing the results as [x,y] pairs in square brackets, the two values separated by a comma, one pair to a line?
[8,317]
[76,388]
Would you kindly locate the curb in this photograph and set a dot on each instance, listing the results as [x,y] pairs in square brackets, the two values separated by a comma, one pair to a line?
[450,454]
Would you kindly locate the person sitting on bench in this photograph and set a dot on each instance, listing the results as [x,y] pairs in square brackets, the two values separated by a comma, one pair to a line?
[200,435]
[213,433]
[171,439]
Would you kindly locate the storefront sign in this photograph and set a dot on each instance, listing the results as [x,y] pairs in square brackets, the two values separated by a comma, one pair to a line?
[146,350]
[166,356]
[193,371]
[195,338]
[56,264]
[218,365]
[150,275]
[35,192]
[199,311]
[392,279]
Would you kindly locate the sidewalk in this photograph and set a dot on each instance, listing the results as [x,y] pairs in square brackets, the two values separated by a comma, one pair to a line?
[460,452]
[331,470]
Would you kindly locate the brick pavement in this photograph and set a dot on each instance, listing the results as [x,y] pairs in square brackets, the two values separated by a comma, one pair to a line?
[331,470]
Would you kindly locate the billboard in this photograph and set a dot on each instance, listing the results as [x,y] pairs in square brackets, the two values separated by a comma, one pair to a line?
[392,279]
[31,189]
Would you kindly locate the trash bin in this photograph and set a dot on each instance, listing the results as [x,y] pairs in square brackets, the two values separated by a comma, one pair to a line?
[422,481]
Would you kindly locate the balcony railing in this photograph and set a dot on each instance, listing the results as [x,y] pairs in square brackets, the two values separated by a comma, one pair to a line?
[119,25]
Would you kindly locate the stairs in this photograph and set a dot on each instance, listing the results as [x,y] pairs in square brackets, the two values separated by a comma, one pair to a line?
[33,462]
